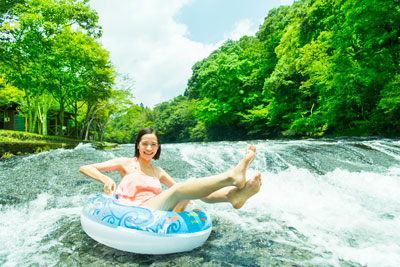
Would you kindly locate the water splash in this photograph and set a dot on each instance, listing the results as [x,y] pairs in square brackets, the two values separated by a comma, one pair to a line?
[332,202]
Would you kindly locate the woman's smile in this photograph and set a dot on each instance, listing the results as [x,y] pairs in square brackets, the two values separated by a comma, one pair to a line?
[148,145]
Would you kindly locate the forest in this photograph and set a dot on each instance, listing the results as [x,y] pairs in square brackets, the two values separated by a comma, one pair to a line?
[316,68]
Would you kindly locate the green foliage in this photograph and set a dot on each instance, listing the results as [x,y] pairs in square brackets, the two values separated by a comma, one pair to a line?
[220,82]
[48,50]
[9,93]
[175,120]
[314,68]
[387,116]
[317,67]
[124,125]
[7,155]
[6,9]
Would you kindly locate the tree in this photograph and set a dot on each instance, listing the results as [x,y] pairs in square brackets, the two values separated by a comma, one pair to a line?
[9,93]
[263,59]
[81,73]
[104,112]
[175,120]
[28,33]
[6,9]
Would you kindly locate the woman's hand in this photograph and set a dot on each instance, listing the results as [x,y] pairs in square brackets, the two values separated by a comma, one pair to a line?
[109,187]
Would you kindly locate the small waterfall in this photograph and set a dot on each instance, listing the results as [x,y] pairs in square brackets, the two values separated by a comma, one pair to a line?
[327,202]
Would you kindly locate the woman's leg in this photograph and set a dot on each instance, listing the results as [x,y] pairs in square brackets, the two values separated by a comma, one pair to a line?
[237,197]
[181,206]
[202,187]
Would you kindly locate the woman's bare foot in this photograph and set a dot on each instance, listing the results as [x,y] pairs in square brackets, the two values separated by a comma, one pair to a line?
[239,172]
[238,197]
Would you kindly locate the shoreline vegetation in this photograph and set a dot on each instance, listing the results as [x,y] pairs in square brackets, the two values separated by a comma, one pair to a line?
[313,69]
[14,143]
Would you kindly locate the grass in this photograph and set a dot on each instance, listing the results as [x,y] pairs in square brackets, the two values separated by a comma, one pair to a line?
[17,136]
[22,143]
[13,143]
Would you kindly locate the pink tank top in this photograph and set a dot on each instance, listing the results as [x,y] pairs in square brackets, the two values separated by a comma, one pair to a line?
[137,188]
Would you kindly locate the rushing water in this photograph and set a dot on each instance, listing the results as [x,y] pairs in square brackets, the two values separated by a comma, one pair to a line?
[323,203]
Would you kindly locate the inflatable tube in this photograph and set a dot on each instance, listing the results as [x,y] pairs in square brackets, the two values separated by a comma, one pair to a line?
[142,230]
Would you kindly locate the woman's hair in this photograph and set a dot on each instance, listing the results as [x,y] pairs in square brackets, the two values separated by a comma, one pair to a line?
[142,132]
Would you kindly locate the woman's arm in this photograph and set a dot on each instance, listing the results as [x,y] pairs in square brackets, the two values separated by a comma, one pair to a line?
[94,172]
[165,178]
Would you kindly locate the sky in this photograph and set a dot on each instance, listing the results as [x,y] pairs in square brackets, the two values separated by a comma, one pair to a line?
[156,42]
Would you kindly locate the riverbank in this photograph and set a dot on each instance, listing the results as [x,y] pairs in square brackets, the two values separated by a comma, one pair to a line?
[303,215]
[22,143]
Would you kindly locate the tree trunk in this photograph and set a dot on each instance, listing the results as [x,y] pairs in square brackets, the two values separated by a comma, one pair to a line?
[76,119]
[61,118]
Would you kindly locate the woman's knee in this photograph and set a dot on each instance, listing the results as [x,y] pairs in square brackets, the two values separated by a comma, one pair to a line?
[179,189]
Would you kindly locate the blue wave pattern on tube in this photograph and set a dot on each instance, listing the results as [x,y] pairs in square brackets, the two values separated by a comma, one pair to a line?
[107,211]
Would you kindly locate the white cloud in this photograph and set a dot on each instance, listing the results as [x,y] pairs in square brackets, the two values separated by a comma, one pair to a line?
[146,42]
[242,27]
[285,2]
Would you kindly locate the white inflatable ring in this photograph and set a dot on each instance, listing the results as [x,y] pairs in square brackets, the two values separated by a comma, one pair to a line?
[142,230]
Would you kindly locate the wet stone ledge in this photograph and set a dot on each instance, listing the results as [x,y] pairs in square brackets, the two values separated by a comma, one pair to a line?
[22,148]
[10,148]
[26,137]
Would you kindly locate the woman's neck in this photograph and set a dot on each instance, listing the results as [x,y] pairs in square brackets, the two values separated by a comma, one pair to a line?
[143,162]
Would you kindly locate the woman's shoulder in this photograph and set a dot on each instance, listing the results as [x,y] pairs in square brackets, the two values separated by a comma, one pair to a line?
[159,171]
[129,161]
[123,160]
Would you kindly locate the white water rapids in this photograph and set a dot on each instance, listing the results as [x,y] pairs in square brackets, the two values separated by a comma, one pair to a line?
[331,202]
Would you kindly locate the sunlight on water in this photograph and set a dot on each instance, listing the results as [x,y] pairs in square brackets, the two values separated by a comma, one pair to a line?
[353,221]
[28,227]
[323,203]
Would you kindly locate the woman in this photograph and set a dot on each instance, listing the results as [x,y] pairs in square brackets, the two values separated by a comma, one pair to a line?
[140,184]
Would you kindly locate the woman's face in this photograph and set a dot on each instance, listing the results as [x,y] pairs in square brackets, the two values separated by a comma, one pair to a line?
[148,146]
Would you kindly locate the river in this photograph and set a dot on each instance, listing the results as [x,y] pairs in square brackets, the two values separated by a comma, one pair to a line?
[326,202]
